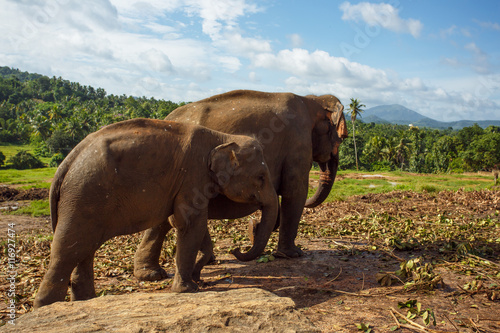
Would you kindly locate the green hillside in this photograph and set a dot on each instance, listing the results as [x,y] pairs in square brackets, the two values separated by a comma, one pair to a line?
[52,115]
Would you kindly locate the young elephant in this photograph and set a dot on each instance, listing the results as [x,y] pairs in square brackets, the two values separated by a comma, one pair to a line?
[133,175]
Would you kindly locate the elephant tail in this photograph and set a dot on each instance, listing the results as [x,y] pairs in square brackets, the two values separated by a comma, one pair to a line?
[55,187]
[55,190]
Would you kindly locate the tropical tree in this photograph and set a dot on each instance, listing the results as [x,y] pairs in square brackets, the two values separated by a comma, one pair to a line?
[373,150]
[355,111]
[402,151]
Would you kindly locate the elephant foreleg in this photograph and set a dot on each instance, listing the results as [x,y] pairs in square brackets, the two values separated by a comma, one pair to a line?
[207,255]
[191,234]
[147,257]
[290,214]
[82,280]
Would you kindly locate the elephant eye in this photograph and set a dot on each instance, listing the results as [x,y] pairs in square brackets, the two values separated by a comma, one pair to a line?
[262,179]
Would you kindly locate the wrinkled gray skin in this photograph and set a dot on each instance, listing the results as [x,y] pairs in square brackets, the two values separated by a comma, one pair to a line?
[133,175]
[293,130]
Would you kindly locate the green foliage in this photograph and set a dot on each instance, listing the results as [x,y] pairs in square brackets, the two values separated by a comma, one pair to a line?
[2,158]
[418,275]
[56,160]
[388,147]
[61,142]
[58,114]
[266,258]
[415,309]
[364,327]
[24,160]
[355,111]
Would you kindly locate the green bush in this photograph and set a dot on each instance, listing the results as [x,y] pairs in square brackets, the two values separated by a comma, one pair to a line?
[24,160]
[381,166]
[56,160]
[2,158]
[61,142]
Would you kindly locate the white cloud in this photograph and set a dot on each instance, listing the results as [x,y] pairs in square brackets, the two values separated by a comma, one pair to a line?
[253,77]
[186,50]
[382,14]
[480,63]
[489,25]
[321,73]
[321,66]
[158,61]
[230,64]
[124,44]
[296,40]
[216,14]
[453,62]
[444,33]
[235,43]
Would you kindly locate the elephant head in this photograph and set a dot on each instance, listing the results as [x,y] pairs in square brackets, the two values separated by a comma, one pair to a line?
[241,173]
[328,134]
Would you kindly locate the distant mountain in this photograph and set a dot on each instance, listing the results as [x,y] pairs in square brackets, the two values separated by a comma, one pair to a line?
[398,114]
[394,113]
[373,119]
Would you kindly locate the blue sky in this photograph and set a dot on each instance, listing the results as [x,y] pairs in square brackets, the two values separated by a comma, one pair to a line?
[439,58]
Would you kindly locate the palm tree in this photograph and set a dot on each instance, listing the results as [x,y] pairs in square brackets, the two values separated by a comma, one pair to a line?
[355,111]
[374,149]
[402,151]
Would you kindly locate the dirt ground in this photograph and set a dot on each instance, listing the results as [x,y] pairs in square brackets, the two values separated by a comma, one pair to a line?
[349,247]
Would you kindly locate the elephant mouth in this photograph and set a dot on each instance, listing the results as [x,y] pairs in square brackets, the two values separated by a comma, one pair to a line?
[324,158]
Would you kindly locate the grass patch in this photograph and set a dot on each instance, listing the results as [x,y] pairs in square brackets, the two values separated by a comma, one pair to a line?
[349,183]
[36,208]
[427,188]
[39,178]
[10,150]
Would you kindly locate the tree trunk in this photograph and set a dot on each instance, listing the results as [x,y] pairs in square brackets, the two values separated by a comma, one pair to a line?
[355,149]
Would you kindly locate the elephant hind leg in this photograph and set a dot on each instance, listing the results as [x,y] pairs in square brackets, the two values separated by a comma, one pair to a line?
[82,280]
[54,286]
[146,260]
[68,250]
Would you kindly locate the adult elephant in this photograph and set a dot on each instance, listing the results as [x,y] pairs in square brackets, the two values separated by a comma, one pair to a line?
[293,130]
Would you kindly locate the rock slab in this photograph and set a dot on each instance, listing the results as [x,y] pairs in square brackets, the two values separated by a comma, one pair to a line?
[239,310]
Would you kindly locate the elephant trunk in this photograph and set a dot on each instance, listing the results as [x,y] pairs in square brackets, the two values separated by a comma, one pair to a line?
[326,180]
[263,232]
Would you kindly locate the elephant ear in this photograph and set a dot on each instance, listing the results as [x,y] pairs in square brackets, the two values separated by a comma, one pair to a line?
[341,125]
[223,163]
[328,102]
[336,112]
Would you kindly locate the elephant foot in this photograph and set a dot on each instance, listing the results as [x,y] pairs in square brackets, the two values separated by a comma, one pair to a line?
[293,252]
[184,287]
[150,274]
[80,292]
